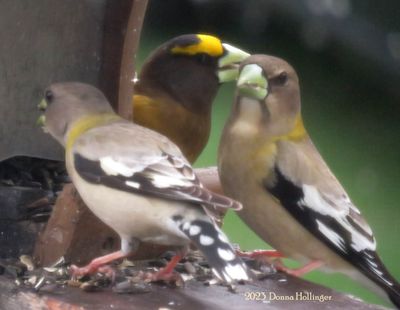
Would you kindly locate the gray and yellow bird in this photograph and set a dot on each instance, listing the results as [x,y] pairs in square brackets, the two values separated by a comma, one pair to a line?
[290,197]
[137,182]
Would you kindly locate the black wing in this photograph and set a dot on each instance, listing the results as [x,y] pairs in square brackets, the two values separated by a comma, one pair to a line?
[168,177]
[337,227]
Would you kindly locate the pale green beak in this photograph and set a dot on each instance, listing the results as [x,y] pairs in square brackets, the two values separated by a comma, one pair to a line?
[228,65]
[252,83]
[42,107]
[41,121]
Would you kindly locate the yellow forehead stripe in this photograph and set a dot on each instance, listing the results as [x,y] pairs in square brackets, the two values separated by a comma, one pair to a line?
[208,44]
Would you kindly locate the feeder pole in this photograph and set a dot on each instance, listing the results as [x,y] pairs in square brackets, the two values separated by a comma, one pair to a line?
[131,43]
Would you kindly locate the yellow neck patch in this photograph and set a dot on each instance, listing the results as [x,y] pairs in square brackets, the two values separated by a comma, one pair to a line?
[85,123]
[208,45]
[298,132]
[265,155]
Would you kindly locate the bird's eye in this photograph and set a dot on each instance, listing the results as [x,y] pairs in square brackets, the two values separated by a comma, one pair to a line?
[48,96]
[280,79]
[204,58]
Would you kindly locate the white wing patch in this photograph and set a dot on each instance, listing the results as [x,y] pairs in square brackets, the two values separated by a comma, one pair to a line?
[164,178]
[127,166]
[162,175]
[315,201]
[331,235]
[162,181]
[113,167]
[313,198]
[133,184]
[360,243]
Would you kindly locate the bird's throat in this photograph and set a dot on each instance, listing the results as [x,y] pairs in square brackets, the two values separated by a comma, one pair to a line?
[248,117]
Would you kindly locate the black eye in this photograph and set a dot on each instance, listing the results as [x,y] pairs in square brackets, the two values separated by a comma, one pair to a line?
[280,79]
[204,59]
[48,96]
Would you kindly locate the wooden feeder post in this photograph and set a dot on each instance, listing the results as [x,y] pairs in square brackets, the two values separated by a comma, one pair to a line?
[72,230]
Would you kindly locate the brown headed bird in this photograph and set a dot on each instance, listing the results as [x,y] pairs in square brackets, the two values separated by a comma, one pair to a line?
[290,197]
[177,85]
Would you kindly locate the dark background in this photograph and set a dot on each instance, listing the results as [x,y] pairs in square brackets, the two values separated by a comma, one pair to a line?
[347,55]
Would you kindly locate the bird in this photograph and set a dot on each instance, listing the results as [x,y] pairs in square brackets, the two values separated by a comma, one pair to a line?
[176,86]
[137,182]
[290,197]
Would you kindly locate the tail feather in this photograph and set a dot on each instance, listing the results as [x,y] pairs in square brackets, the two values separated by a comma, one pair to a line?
[394,295]
[215,246]
[390,286]
[372,267]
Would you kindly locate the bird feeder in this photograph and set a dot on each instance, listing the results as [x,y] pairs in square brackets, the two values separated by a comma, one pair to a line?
[47,41]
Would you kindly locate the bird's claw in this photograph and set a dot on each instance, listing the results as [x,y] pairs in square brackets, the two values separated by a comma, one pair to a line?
[79,272]
[160,276]
[298,272]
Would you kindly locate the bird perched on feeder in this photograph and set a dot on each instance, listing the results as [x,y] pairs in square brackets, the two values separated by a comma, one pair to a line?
[177,84]
[136,181]
[290,198]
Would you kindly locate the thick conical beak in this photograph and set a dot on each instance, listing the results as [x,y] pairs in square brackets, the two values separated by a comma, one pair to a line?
[228,64]
[42,106]
[41,120]
[252,83]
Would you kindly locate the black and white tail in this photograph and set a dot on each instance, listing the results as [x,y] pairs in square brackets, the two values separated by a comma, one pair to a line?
[215,246]
[394,295]
[373,267]
[372,273]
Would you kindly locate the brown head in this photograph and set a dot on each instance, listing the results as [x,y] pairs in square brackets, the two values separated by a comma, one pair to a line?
[189,69]
[268,96]
[66,103]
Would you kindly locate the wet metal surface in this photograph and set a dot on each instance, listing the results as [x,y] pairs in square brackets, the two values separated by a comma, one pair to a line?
[44,41]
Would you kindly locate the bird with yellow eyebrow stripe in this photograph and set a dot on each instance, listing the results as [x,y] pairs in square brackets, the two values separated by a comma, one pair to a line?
[177,85]
[290,197]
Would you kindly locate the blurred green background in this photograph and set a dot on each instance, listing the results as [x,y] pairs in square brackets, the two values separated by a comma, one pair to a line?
[346,54]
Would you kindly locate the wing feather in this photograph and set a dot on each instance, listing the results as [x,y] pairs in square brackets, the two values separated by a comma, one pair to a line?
[333,219]
[156,169]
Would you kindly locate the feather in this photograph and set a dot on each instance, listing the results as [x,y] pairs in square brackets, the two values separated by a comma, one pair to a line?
[159,170]
[335,222]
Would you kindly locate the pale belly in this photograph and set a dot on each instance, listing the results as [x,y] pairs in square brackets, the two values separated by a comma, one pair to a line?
[136,216]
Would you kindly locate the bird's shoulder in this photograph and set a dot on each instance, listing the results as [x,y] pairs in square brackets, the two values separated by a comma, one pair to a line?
[124,139]
[308,190]
[301,162]
[133,159]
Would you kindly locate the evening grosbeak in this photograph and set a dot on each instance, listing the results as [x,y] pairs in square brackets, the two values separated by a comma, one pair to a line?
[290,198]
[136,181]
[177,84]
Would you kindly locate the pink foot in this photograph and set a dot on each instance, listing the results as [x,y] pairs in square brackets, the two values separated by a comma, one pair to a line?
[298,272]
[97,265]
[259,254]
[165,274]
